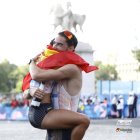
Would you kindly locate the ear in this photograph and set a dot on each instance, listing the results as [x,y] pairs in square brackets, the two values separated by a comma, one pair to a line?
[71,48]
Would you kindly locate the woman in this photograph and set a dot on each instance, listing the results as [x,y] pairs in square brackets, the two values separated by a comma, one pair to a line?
[69,79]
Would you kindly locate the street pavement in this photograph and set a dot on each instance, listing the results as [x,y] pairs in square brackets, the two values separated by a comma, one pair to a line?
[99,129]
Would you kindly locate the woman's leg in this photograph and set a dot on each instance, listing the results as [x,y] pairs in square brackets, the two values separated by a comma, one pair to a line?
[59,119]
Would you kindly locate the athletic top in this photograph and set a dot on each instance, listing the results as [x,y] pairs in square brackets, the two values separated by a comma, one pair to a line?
[65,100]
[60,97]
[47,88]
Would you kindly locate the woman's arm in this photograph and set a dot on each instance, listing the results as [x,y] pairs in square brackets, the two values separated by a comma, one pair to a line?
[67,71]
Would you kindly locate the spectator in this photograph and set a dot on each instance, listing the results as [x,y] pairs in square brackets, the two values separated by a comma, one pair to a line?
[25,102]
[81,106]
[89,101]
[105,101]
[14,103]
[114,103]
[120,106]
[135,105]
[130,102]
[114,113]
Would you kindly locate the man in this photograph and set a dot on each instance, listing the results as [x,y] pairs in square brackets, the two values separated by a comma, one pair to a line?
[130,102]
[69,79]
[114,113]
[120,106]
[135,105]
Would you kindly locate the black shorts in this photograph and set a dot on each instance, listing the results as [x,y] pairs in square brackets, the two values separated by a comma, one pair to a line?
[36,114]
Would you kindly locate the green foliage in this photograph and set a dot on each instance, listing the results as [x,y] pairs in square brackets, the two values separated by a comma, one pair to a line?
[21,72]
[105,72]
[11,77]
[6,81]
[136,53]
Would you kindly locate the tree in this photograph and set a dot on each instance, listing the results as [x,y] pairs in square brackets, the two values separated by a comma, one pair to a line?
[105,72]
[6,81]
[20,72]
[136,53]
[11,77]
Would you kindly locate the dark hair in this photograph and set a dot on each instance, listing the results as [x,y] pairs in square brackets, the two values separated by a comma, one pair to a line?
[51,43]
[70,38]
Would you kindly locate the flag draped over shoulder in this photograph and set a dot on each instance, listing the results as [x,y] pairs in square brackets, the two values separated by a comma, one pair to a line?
[58,60]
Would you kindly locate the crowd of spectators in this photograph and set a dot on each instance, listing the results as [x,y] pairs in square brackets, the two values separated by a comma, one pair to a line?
[110,108]
[13,101]
[119,104]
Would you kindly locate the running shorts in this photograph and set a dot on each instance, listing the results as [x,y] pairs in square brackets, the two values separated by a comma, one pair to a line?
[36,114]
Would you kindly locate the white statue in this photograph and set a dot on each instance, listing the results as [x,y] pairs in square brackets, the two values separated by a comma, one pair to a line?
[65,18]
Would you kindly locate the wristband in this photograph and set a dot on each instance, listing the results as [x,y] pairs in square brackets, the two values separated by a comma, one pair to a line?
[30,61]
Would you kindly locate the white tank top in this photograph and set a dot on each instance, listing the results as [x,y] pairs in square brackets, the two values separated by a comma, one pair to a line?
[65,100]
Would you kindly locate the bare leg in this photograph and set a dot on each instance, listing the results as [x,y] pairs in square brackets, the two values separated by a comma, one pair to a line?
[62,119]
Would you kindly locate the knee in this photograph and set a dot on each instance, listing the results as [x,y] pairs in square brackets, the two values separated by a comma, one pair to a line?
[85,121]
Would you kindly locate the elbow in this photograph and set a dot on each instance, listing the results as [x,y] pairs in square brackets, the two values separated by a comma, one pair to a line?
[34,76]
[34,72]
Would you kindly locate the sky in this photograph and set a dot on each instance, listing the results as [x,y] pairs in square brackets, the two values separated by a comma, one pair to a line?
[111,26]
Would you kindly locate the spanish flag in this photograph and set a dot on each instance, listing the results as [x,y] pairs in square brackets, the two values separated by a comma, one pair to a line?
[59,59]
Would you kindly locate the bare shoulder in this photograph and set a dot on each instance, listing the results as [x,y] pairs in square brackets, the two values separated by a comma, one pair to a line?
[70,69]
[71,66]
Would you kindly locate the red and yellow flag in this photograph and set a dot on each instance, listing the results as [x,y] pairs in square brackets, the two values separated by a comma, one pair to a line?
[59,59]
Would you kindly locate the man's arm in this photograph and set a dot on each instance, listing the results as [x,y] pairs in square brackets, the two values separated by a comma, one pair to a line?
[67,71]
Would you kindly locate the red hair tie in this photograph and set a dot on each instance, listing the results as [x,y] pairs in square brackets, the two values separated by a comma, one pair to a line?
[68,34]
